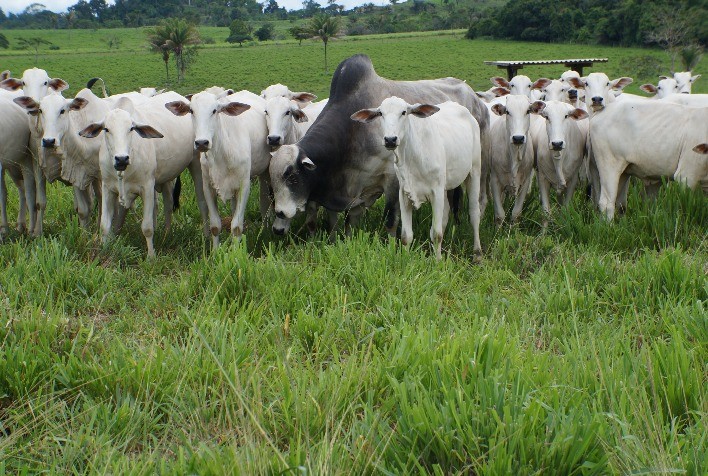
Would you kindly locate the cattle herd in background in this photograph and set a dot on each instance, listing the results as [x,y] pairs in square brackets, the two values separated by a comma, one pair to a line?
[411,141]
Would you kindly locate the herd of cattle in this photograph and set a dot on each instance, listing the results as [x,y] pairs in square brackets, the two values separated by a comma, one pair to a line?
[412,141]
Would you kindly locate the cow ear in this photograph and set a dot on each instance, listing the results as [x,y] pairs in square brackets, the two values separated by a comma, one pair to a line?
[188,97]
[701,149]
[11,84]
[648,88]
[298,114]
[541,83]
[485,95]
[499,92]
[307,163]
[146,132]
[537,106]
[28,104]
[178,108]
[499,109]
[577,82]
[423,110]
[620,83]
[578,114]
[58,84]
[77,104]
[234,108]
[303,97]
[694,78]
[223,94]
[4,75]
[663,77]
[365,115]
[92,130]
[501,82]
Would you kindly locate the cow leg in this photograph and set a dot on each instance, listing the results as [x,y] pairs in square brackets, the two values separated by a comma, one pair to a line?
[544,191]
[22,212]
[30,199]
[108,208]
[498,200]
[651,189]
[622,193]
[392,207]
[473,192]
[213,209]
[167,204]
[148,225]
[610,178]
[570,190]
[521,198]
[438,202]
[3,203]
[82,199]
[352,220]
[41,201]
[406,218]
[446,212]
[485,171]
[240,209]
[311,217]
[195,170]
[120,212]
[264,201]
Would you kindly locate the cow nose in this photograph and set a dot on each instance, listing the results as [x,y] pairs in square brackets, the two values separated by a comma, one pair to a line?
[48,142]
[573,94]
[273,140]
[280,215]
[201,144]
[390,141]
[518,140]
[597,100]
[120,162]
[279,231]
[558,145]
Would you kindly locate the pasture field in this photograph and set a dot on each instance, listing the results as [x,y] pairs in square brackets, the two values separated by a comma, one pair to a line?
[578,351]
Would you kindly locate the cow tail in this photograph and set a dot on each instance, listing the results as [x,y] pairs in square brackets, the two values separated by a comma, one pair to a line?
[455,199]
[93,81]
[175,194]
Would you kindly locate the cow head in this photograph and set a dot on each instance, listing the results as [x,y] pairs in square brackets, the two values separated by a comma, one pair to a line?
[53,115]
[150,92]
[517,114]
[205,109]
[280,90]
[572,90]
[34,83]
[291,178]
[665,87]
[685,80]
[118,127]
[281,113]
[395,114]
[492,93]
[599,89]
[521,84]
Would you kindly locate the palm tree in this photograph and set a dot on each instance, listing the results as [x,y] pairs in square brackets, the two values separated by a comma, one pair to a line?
[157,41]
[325,27]
[174,35]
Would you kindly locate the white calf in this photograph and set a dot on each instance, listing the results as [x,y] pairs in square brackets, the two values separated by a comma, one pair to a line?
[685,80]
[438,148]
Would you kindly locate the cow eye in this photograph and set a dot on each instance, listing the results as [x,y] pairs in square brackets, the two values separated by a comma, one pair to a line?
[287,113]
[608,83]
[214,111]
[45,83]
[403,113]
[266,113]
[105,130]
[659,87]
[566,116]
[190,111]
[62,112]
[586,83]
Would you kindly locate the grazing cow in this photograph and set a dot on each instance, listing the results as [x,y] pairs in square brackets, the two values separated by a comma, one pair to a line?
[438,148]
[649,140]
[133,166]
[559,152]
[339,163]
[16,160]
[230,133]
[36,83]
[685,80]
[512,153]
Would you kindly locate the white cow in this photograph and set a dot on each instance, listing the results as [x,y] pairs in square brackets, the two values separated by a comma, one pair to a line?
[649,140]
[512,153]
[685,80]
[560,151]
[523,85]
[692,100]
[36,84]
[437,149]
[133,166]
[492,93]
[16,160]
[230,133]
[664,88]
[280,90]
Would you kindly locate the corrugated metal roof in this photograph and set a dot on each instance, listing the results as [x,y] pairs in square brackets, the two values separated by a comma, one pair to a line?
[563,61]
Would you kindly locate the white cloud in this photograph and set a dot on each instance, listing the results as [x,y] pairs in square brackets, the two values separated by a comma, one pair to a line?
[17,6]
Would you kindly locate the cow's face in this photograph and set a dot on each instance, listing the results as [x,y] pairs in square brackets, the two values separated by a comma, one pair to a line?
[290,170]
[521,85]
[664,88]
[280,114]
[53,111]
[572,90]
[517,114]
[280,90]
[35,83]
[598,88]
[557,114]
[685,80]
[117,128]
[395,114]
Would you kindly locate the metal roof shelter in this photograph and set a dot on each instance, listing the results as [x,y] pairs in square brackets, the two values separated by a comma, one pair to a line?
[512,67]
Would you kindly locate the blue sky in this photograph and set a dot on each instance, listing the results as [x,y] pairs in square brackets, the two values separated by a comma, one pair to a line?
[16,6]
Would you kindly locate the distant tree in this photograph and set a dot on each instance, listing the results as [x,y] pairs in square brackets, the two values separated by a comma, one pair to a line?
[3,17]
[325,27]
[271,7]
[34,43]
[4,44]
[240,32]
[690,56]
[34,8]
[671,32]
[299,33]
[113,41]
[265,32]
[176,36]
[310,7]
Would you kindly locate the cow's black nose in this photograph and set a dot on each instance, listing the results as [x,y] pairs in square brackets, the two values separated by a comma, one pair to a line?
[201,144]
[280,215]
[597,100]
[557,145]
[279,231]
[273,140]
[48,142]
[518,140]
[390,141]
[121,162]
[573,94]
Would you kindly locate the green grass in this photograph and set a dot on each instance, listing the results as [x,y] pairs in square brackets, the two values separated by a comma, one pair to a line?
[578,351]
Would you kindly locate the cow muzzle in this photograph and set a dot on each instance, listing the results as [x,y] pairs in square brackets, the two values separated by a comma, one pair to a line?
[557,145]
[49,142]
[573,94]
[391,142]
[274,141]
[201,145]
[518,140]
[120,162]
